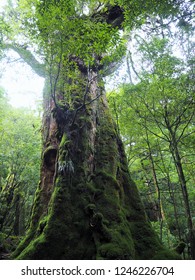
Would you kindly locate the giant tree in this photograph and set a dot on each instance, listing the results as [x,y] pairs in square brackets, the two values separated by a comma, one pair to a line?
[86,205]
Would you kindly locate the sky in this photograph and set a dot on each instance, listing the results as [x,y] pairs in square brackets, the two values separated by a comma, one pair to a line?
[3,2]
[22,86]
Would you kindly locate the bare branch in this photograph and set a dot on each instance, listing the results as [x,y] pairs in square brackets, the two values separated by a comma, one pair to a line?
[133,66]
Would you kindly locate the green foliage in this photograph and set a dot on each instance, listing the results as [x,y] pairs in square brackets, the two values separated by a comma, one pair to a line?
[19,164]
[169,240]
[75,39]
[4,31]
[151,115]
[137,12]
[65,29]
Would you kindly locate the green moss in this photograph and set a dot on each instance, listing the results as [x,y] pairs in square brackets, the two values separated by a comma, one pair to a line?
[115,251]
[106,147]
[64,141]
[42,224]
[90,208]
[107,177]
[166,254]
[95,212]
[121,245]
[111,251]
[34,250]
[62,223]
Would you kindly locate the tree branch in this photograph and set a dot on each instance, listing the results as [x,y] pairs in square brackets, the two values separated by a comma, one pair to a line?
[29,58]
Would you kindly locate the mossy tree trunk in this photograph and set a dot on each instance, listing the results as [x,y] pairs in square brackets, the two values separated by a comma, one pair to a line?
[86,205]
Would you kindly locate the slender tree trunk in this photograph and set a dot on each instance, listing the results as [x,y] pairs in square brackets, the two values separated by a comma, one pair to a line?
[171,193]
[16,226]
[157,187]
[7,196]
[86,205]
[19,223]
[180,172]
[179,167]
[178,164]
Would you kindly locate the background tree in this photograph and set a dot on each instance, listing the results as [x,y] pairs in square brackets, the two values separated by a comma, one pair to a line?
[162,106]
[20,143]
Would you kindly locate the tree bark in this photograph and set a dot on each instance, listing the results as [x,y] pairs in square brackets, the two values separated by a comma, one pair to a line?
[161,216]
[181,176]
[171,193]
[86,205]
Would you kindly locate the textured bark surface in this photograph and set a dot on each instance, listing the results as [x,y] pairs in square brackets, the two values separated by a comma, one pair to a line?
[86,205]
